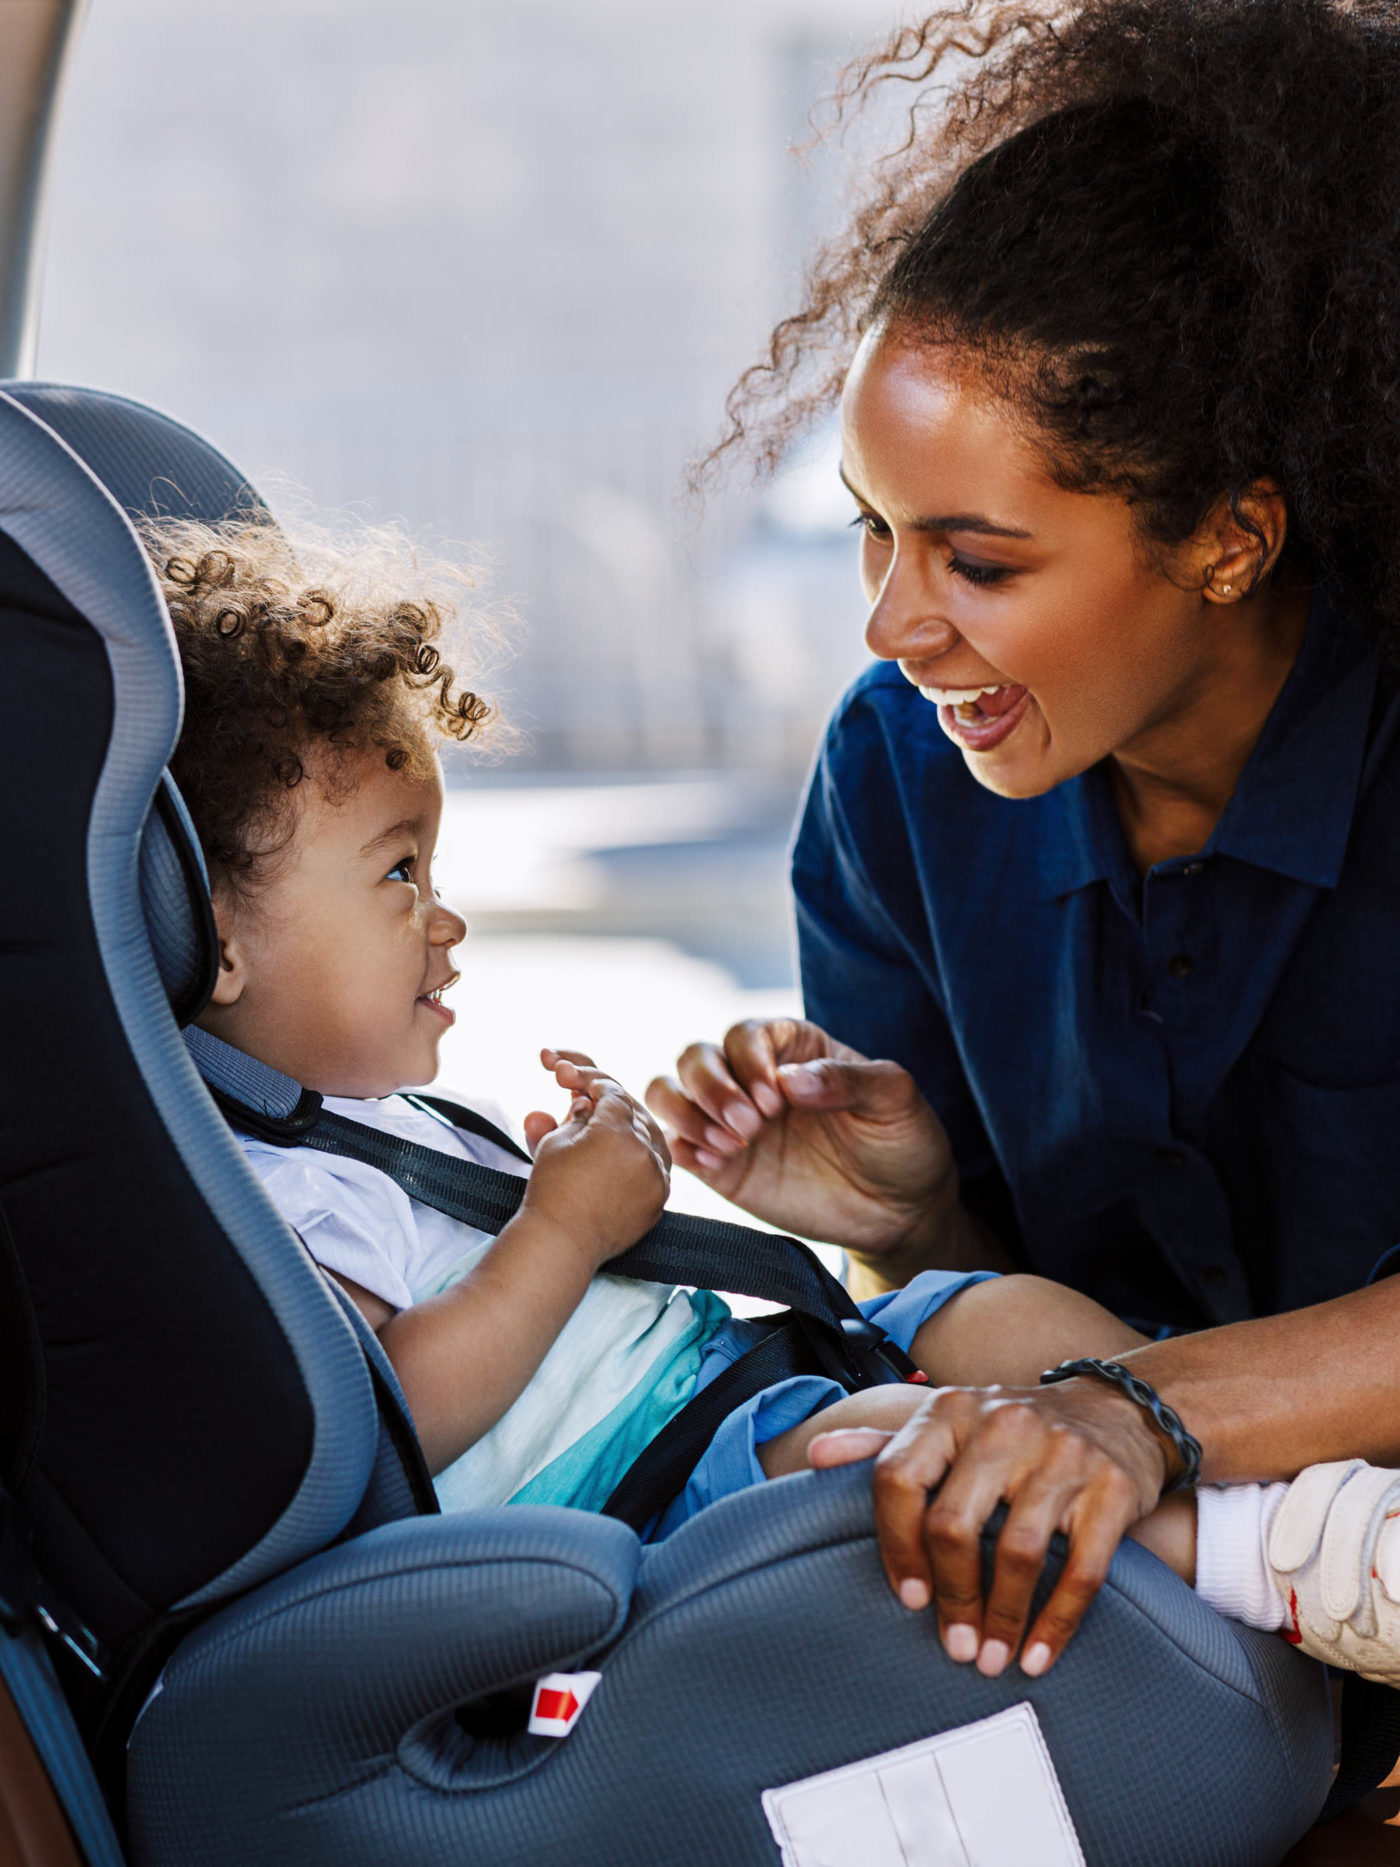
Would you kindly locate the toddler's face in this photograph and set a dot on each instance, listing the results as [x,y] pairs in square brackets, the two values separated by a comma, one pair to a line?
[332,970]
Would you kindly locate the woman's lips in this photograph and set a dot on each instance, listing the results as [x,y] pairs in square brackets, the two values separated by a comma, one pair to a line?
[436,1006]
[982,724]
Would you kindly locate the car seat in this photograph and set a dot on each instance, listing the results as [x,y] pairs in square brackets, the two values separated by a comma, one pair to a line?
[274,1648]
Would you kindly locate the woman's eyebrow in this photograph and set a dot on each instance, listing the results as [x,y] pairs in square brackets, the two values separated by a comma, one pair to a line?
[406,826]
[953,522]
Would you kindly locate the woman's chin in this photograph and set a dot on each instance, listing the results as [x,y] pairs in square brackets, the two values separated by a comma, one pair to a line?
[1014,776]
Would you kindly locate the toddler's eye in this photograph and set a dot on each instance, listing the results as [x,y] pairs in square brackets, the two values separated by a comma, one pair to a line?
[401,871]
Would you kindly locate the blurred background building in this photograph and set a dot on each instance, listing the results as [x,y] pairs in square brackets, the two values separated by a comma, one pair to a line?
[491,269]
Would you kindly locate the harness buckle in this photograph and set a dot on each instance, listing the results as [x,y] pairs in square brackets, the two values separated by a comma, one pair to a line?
[874,1358]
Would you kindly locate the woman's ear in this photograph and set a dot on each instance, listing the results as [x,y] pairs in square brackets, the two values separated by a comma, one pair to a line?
[233,972]
[1240,542]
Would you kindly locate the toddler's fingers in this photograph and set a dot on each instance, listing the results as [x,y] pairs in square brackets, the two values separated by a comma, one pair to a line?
[609,1102]
[551,1059]
[846,1445]
[591,1082]
[647,1132]
[537,1126]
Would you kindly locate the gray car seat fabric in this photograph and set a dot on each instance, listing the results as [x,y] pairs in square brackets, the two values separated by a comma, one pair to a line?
[152,465]
[759,1645]
[356,1689]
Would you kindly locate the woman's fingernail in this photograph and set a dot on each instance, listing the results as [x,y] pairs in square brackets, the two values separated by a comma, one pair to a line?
[991,1661]
[721,1140]
[767,1098]
[743,1120]
[914,1594]
[1035,1659]
[803,1082]
[960,1642]
[994,1656]
[704,1158]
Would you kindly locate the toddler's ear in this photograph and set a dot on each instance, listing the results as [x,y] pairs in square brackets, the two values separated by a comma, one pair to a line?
[233,972]
[232,975]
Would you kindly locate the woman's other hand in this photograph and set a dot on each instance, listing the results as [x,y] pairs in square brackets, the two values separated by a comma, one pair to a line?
[809,1135]
[1077,1457]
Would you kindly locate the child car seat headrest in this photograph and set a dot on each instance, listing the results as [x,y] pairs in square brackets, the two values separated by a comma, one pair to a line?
[156,468]
[184,1409]
[152,466]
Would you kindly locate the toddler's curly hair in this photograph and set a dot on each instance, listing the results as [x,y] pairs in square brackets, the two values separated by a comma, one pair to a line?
[298,652]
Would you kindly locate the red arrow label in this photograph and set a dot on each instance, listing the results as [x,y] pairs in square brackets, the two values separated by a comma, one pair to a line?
[558,1700]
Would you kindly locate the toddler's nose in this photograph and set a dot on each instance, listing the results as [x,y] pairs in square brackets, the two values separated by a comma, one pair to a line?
[447,926]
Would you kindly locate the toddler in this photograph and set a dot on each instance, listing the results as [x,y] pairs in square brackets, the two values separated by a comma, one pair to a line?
[315,690]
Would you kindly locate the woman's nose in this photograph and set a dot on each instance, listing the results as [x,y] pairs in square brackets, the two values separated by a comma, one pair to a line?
[903,624]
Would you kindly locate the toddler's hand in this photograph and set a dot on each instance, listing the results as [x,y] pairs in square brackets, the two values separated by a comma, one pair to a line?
[603,1174]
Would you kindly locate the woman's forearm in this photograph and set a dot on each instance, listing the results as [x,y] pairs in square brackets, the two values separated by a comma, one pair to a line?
[1265,1398]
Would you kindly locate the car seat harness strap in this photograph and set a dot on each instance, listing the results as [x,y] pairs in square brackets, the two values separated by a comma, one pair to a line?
[821,1332]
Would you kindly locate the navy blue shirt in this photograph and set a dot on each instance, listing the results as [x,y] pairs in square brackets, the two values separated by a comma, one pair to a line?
[1178,1092]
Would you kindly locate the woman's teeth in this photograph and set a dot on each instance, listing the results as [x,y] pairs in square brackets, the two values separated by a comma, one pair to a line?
[962,699]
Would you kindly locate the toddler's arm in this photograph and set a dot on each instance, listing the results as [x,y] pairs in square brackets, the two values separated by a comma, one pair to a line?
[599,1182]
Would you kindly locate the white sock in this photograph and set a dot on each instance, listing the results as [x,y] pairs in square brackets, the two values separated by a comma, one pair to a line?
[1232,1571]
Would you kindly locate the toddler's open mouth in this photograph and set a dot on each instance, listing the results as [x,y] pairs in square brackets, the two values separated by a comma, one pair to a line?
[432,1001]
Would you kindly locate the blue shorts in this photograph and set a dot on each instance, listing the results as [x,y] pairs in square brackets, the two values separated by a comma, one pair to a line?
[731,1461]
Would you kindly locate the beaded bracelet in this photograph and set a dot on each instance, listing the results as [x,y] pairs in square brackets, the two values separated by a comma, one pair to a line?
[1165,1418]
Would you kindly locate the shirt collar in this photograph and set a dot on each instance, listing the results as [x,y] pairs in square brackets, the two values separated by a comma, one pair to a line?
[1292,808]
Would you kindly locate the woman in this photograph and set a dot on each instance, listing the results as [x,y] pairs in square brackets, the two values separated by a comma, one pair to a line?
[1105,851]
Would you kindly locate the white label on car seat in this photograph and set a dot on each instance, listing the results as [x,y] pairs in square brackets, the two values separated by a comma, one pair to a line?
[558,1700]
[985,1795]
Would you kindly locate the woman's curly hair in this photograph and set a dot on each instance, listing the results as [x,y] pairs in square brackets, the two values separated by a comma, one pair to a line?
[1170,228]
[297,652]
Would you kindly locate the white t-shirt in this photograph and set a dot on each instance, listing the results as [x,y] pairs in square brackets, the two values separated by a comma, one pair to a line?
[622,1343]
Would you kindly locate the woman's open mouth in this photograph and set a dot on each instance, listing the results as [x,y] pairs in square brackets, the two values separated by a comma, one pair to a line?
[979,717]
[433,1002]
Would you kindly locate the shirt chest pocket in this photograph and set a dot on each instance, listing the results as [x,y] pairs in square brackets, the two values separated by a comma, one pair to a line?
[1328,1161]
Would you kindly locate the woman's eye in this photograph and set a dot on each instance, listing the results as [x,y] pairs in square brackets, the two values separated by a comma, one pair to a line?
[980,574]
[401,871]
[871,525]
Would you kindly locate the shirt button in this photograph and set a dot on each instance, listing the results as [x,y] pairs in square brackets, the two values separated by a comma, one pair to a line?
[1180,964]
[1171,1157]
[1193,868]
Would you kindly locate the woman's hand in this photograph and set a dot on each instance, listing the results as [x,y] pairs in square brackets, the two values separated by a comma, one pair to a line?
[601,1176]
[809,1135]
[1077,1457]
